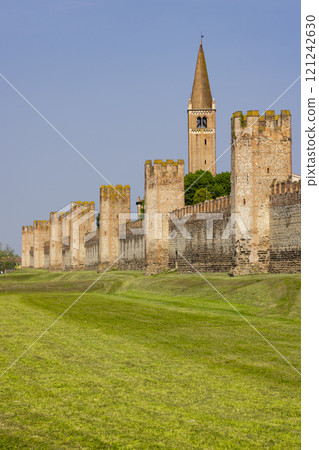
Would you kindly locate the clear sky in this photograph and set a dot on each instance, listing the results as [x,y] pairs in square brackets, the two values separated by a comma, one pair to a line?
[115,78]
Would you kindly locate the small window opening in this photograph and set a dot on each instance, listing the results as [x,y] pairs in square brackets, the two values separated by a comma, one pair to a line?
[205,161]
[205,142]
[267,169]
[204,122]
[244,201]
[199,122]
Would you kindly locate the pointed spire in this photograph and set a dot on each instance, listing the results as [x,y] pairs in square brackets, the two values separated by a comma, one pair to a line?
[201,95]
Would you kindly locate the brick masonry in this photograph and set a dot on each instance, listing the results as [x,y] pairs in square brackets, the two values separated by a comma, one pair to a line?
[260,153]
[132,244]
[205,245]
[164,191]
[208,245]
[285,222]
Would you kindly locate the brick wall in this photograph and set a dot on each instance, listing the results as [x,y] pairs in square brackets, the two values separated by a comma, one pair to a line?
[132,244]
[208,247]
[164,192]
[91,242]
[260,153]
[114,201]
[285,228]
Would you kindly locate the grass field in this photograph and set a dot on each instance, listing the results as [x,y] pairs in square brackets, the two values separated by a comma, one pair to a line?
[149,362]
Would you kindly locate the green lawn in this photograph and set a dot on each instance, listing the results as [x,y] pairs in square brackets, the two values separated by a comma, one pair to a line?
[149,362]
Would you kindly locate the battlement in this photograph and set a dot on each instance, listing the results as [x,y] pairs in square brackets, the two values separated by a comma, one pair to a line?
[285,193]
[41,224]
[210,206]
[85,206]
[115,191]
[269,120]
[285,187]
[27,228]
[56,215]
[134,224]
[164,168]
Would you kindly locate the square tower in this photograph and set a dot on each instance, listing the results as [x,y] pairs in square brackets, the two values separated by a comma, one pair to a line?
[114,200]
[260,154]
[164,192]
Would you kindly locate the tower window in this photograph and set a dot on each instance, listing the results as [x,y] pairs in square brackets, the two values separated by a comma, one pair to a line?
[205,161]
[244,201]
[199,122]
[205,142]
[204,122]
[267,169]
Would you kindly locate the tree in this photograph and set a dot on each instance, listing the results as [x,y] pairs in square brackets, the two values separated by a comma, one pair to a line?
[214,187]
[142,210]
[7,257]
[7,252]
[98,221]
[201,195]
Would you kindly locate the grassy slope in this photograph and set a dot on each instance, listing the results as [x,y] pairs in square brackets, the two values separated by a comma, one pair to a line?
[149,362]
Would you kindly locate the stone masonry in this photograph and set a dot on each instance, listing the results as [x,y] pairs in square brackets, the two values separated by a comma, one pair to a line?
[164,190]
[254,230]
[113,202]
[260,153]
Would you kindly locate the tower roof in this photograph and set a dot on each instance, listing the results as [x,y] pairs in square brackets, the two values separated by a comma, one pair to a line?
[201,95]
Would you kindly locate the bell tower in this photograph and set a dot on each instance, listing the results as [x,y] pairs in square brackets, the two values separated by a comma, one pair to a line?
[201,121]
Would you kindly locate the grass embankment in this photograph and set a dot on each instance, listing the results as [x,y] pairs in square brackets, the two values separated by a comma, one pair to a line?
[149,362]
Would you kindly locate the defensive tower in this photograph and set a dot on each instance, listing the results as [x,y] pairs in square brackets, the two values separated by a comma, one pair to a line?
[82,221]
[40,236]
[164,192]
[260,153]
[113,202]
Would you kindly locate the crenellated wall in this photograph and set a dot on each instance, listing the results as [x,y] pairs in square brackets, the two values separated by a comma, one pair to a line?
[58,244]
[285,227]
[132,246]
[204,241]
[256,229]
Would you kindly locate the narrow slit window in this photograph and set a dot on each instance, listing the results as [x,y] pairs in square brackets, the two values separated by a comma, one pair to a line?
[205,142]
[244,201]
[267,169]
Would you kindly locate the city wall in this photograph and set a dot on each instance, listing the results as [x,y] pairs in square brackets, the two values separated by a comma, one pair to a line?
[205,237]
[285,227]
[132,246]
[204,243]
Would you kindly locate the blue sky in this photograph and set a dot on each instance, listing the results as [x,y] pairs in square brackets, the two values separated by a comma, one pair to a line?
[115,79]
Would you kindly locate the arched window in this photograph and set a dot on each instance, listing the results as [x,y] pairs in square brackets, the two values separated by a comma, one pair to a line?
[199,122]
[204,122]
